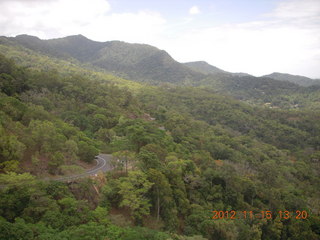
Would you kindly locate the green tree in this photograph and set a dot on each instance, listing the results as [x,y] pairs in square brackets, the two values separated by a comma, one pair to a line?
[124,158]
[87,152]
[56,160]
[71,150]
[11,152]
[133,190]
[148,159]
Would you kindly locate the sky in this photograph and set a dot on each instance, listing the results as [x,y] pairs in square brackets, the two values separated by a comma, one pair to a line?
[253,36]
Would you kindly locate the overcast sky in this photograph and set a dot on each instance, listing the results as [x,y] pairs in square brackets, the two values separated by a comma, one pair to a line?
[253,36]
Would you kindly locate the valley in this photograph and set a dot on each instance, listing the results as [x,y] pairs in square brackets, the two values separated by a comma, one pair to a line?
[179,140]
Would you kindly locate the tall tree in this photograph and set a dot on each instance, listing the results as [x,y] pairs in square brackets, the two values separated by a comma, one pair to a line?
[133,190]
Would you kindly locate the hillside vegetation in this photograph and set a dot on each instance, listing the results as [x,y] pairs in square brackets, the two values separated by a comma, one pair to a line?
[145,63]
[300,80]
[180,152]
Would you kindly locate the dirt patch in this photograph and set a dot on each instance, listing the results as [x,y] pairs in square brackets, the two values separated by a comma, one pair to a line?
[152,223]
[121,217]
[36,166]
[85,165]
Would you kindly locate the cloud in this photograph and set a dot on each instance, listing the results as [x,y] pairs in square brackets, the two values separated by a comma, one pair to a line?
[140,27]
[284,40]
[50,17]
[25,1]
[57,18]
[297,9]
[194,10]
[287,40]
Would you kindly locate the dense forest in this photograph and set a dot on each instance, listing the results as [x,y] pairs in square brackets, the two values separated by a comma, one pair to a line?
[191,161]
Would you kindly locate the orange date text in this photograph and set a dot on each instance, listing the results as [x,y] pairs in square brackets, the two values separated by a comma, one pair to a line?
[259,215]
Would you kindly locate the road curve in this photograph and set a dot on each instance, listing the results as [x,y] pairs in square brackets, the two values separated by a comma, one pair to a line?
[103,165]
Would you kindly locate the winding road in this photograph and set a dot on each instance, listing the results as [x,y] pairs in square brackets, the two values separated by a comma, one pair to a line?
[103,165]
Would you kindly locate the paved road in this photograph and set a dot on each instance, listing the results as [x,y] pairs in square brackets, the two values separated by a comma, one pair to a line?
[103,164]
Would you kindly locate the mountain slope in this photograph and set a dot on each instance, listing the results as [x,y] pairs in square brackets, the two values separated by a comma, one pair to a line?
[206,68]
[78,47]
[300,80]
[199,151]
[139,62]
[145,63]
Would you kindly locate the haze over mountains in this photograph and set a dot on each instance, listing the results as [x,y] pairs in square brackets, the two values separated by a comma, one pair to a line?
[138,62]
[148,64]
[206,68]
[300,80]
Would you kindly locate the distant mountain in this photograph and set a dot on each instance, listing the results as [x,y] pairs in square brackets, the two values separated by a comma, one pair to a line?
[300,80]
[145,63]
[240,85]
[139,62]
[206,68]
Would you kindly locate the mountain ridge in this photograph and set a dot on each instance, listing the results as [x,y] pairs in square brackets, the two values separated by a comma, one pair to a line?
[297,79]
[134,60]
[150,65]
[206,68]
[85,49]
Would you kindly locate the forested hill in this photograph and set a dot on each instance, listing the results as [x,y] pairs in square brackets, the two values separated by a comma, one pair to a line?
[205,68]
[144,63]
[179,153]
[138,62]
[300,80]
[274,90]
